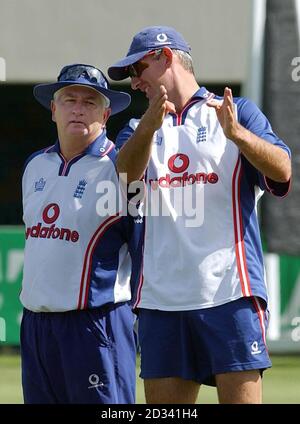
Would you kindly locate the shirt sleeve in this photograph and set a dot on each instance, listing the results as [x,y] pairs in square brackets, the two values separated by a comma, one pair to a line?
[134,192]
[251,117]
[134,233]
[123,136]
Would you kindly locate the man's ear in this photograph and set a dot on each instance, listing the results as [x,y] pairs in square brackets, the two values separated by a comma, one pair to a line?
[168,54]
[106,115]
[53,109]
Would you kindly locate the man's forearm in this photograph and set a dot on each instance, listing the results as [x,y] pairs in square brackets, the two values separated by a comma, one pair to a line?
[270,160]
[134,156]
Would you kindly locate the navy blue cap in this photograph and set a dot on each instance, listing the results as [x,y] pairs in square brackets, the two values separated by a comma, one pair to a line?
[148,39]
[84,75]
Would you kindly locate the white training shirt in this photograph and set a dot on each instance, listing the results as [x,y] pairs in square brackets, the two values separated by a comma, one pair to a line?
[77,253]
[202,245]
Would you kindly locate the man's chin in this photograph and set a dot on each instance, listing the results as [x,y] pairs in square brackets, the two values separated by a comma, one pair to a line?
[78,132]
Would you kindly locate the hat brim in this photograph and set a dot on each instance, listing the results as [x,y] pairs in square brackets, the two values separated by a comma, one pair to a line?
[118,71]
[118,99]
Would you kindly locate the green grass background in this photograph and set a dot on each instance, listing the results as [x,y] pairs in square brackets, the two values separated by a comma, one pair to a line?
[281,383]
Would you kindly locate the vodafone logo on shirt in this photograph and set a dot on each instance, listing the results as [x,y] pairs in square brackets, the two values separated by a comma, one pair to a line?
[178,164]
[50,214]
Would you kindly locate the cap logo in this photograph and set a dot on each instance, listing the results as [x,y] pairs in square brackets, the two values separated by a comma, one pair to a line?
[161,37]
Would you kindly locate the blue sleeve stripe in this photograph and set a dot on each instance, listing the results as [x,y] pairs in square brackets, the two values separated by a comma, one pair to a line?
[32,156]
[123,136]
[251,117]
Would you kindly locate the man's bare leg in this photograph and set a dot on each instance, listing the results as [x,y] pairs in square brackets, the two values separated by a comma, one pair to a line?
[239,387]
[170,390]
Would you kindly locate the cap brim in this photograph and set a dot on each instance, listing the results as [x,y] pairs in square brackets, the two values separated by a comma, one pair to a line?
[118,71]
[118,99]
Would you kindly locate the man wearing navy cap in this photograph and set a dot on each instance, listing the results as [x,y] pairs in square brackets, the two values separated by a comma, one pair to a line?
[206,160]
[77,338]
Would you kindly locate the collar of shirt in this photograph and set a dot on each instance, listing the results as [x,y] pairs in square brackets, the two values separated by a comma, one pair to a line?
[99,147]
[201,93]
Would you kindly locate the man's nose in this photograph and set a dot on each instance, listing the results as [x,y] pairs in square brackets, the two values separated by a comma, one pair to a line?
[77,107]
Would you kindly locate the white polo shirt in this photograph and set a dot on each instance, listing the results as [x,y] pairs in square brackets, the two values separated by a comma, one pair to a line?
[202,244]
[78,254]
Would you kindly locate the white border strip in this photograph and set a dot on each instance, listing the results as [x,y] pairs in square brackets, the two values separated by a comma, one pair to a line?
[253,85]
[273,283]
[297,7]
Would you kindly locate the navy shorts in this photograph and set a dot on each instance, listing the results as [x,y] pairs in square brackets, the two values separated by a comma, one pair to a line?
[83,356]
[198,344]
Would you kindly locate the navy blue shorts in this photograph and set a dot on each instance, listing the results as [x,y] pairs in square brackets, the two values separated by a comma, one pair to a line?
[83,356]
[198,344]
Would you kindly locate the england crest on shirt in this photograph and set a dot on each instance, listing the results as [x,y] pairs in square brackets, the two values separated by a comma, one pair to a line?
[201,135]
[80,189]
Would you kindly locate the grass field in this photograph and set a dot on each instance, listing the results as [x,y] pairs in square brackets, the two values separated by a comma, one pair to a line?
[281,382]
